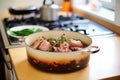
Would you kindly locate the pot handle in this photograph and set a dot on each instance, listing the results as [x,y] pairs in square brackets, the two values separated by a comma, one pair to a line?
[94,49]
[45,2]
[52,1]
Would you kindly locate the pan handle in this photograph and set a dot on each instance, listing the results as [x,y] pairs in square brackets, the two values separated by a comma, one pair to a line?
[94,49]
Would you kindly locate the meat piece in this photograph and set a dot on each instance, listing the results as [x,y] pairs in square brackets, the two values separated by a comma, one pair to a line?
[44,46]
[58,49]
[37,43]
[63,47]
[75,43]
[75,48]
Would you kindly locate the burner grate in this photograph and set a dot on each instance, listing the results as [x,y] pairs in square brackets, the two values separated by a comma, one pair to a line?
[71,23]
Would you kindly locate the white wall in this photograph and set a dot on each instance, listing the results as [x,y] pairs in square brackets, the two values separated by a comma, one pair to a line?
[5,4]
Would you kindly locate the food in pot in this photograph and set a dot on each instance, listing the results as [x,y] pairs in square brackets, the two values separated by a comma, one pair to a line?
[45,51]
[60,44]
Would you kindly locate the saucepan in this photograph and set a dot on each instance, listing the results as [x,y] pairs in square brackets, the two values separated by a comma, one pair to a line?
[59,61]
[24,10]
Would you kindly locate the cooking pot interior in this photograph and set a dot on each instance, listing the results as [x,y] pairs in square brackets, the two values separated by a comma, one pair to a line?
[56,33]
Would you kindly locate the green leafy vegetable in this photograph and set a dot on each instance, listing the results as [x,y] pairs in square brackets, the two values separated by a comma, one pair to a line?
[25,32]
[60,39]
[51,38]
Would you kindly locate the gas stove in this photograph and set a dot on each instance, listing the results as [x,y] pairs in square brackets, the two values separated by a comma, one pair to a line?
[71,22]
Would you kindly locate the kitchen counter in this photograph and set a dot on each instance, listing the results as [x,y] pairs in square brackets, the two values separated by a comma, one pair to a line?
[102,65]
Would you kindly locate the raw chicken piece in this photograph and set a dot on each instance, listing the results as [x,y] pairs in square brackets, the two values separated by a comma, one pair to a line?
[75,48]
[63,47]
[74,43]
[37,43]
[45,45]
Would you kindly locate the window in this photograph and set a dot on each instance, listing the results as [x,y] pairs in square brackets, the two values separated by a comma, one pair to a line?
[110,4]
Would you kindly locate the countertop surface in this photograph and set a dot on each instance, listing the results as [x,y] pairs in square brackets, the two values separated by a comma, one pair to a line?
[104,64]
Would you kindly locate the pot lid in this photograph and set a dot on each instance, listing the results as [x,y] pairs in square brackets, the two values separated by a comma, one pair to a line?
[55,6]
[52,6]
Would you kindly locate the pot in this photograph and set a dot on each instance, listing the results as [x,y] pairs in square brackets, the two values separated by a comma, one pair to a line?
[49,12]
[22,10]
[59,62]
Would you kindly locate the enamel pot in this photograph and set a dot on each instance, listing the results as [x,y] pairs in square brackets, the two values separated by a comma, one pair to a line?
[60,62]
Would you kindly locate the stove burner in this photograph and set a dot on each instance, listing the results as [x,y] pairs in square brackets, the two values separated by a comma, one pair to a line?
[63,21]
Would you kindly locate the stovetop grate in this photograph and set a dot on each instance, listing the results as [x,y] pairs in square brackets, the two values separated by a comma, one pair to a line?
[71,23]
